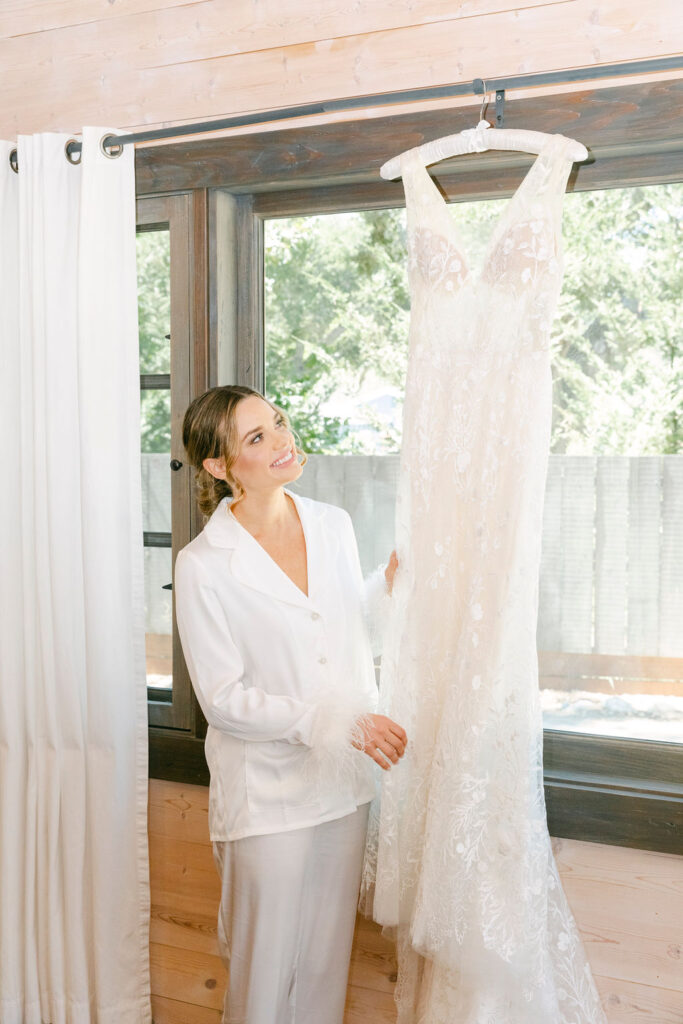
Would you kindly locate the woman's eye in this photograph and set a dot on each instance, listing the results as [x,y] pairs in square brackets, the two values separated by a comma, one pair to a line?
[279,423]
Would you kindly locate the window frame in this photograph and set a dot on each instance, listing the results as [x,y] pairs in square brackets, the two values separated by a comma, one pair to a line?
[625,792]
[177,710]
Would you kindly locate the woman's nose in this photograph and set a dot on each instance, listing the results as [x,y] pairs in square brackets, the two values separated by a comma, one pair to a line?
[279,448]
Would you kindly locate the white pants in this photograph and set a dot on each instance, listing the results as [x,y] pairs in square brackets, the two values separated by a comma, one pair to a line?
[286,920]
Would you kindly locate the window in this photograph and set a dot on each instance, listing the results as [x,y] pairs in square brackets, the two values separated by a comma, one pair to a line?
[241,202]
[611,603]
[154,318]
[163,270]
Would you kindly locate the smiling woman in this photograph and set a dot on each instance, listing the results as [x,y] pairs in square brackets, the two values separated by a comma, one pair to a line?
[277,528]
[230,424]
[292,734]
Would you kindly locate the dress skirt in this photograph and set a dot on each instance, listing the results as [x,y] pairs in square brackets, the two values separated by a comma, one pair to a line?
[286,921]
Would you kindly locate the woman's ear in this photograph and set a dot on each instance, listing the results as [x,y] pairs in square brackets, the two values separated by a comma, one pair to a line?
[216,467]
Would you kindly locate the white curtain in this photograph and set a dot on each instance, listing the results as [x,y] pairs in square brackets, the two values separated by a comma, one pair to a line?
[74,889]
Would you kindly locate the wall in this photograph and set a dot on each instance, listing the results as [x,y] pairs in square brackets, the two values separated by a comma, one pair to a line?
[134,63]
[628,905]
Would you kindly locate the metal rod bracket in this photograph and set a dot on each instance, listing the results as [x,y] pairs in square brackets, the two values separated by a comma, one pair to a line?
[500,104]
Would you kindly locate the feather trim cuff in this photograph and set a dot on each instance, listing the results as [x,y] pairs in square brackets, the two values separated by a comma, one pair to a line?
[338,722]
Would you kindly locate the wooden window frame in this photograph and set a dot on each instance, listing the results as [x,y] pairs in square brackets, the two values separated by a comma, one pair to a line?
[181,214]
[624,792]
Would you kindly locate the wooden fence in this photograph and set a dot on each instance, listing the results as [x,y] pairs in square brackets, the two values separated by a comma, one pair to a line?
[611,578]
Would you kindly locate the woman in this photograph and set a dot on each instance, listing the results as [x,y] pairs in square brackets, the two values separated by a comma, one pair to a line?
[271,608]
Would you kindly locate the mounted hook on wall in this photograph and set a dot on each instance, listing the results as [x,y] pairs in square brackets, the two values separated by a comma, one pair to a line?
[479,87]
[500,104]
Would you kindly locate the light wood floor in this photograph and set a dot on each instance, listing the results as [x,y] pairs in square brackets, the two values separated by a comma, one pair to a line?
[628,905]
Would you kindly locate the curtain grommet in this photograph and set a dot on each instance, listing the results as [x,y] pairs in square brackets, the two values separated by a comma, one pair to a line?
[73,158]
[13,162]
[116,148]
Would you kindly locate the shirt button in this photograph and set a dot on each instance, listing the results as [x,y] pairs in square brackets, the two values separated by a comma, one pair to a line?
[322,659]
[314,615]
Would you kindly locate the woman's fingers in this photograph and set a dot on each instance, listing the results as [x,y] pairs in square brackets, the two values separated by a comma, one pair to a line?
[385,741]
[375,754]
[398,732]
[390,571]
[392,746]
[395,743]
[388,751]
[383,753]
[388,725]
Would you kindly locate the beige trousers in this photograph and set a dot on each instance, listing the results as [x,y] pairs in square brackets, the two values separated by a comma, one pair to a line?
[286,921]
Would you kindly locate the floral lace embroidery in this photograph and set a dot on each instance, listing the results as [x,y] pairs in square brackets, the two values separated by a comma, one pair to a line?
[459,866]
[517,261]
[437,260]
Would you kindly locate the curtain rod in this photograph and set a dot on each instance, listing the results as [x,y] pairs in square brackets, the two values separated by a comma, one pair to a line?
[476,87]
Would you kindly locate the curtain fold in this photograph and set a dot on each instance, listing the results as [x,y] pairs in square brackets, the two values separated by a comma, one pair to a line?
[74,886]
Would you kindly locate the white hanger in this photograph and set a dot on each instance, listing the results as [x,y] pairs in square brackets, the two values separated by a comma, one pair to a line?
[478,140]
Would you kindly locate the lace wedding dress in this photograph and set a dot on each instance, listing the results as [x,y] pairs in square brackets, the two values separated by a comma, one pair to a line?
[459,866]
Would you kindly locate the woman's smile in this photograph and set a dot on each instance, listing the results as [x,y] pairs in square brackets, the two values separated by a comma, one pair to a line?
[283,461]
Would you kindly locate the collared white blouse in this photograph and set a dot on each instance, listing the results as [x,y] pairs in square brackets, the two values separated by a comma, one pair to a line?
[280,676]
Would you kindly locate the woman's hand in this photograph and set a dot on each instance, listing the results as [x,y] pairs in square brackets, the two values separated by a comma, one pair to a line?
[390,571]
[382,739]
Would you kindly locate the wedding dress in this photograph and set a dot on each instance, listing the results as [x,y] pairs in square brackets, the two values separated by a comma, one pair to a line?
[459,866]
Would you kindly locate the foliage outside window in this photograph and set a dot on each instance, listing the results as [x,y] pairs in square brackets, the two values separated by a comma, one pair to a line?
[337,312]
[154,326]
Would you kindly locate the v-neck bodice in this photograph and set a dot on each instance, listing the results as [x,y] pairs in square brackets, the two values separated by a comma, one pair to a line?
[524,240]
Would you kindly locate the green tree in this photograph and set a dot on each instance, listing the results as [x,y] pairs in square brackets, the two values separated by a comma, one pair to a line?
[337,313]
[337,308]
[154,327]
[618,336]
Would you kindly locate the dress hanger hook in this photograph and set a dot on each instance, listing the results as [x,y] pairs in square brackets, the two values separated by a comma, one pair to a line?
[484,101]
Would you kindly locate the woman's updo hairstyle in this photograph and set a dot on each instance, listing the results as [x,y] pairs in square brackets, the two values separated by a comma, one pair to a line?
[210,432]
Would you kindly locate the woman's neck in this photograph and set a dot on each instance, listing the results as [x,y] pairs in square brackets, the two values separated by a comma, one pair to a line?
[265,513]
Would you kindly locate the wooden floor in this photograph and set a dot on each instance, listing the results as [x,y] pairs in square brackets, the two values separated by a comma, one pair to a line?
[628,905]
